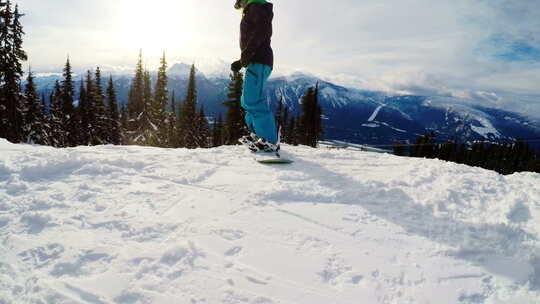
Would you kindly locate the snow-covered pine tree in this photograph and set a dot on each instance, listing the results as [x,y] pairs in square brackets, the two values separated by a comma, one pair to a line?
[91,111]
[179,141]
[202,130]
[135,105]
[188,118]
[148,131]
[36,127]
[83,115]
[234,126]
[101,121]
[69,118]
[58,137]
[217,132]
[11,57]
[124,117]
[44,103]
[171,125]
[159,113]
[113,116]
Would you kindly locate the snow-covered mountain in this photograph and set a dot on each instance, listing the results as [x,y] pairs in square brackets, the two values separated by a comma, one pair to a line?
[146,225]
[359,116]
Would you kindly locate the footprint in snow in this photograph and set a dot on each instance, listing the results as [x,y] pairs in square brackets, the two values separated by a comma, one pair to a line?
[88,262]
[128,297]
[36,222]
[231,235]
[256,281]
[233,251]
[519,213]
[43,255]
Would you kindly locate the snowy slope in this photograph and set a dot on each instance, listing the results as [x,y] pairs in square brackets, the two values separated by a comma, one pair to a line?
[145,225]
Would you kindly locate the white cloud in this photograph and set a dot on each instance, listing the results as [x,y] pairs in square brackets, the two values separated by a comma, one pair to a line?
[416,46]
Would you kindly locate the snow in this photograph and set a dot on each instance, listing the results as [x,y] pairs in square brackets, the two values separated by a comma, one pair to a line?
[486,129]
[393,128]
[45,75]
[146,225]
[377,124]
[337,144]
[332,95]
[375,113]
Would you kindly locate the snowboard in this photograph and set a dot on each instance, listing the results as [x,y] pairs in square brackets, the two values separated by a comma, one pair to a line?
[271,159]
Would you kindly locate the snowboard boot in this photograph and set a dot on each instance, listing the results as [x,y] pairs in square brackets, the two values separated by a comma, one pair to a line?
[250,141]
[258,145]
[265,146]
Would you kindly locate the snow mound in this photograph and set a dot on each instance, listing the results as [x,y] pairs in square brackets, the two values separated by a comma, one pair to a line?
[145,225]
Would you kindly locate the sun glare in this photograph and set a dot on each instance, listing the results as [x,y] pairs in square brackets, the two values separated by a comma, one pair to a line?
[154,26]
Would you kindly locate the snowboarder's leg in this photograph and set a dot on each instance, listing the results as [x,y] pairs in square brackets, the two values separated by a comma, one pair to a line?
[259,118]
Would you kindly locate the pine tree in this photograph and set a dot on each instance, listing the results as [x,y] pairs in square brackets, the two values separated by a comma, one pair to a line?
[101,121]
[310,127]
[136,104]
[58,137]
[92,113]
[425,146]
[161,95]
[69,117]
[11,57]
[281,118]
[171,125]
[188,118]
[203,130]
[113,115]
[36,127]
[317,126]
[285,125]
[292,131]
[234,126]
[148,130]
[279,113]
[534,163]
[83,114]
[217,132]
[124,118]
[399,149]
[44,104]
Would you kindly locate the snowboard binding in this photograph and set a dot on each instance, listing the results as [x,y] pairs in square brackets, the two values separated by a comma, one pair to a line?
[258,145]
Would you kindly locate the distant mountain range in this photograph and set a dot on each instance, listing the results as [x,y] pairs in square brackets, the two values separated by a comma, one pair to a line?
[358,116]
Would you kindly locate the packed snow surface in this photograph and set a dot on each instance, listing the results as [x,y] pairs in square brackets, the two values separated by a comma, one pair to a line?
[145,225]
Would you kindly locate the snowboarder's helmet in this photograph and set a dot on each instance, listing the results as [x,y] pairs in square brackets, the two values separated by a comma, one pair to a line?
[240,4]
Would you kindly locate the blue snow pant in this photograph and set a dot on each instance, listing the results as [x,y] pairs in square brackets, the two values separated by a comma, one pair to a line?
[259,118]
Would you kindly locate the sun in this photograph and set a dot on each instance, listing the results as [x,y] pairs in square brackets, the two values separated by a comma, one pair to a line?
[154,26]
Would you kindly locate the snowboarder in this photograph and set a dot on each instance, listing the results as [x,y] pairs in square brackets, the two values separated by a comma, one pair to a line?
[258,59]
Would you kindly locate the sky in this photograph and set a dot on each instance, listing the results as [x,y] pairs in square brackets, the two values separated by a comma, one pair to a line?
[485,51]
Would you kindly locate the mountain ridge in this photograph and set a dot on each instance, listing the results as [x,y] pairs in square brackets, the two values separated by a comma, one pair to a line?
[358,116]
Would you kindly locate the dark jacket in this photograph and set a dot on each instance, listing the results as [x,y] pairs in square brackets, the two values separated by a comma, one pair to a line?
[256,34]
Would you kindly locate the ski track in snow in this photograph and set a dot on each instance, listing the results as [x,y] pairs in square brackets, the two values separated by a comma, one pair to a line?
[375,113]
[144,225]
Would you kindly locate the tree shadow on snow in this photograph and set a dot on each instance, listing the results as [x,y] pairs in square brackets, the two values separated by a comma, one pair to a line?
[498,248]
